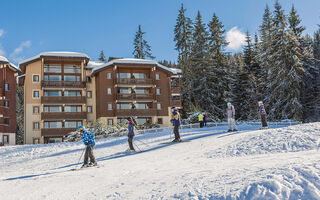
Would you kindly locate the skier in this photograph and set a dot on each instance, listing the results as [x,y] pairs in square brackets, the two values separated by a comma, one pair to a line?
[205,119]
[176,121]
[88,140]
[131,125]
[263,115]
[231,116]
[200,116]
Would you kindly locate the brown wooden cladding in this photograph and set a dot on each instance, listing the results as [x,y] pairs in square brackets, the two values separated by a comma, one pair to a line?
[63,100]
[175,90]
[135,96]
[176,103]
[63,115]
[72,84]
[55,132]
[136,112]
[133,81]
[7,76]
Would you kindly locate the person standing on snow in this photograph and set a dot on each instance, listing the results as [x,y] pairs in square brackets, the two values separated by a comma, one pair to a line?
[176,121]
[131,125]
[205,119]
[263,115]
[88,140]
[200,117]
[231,113]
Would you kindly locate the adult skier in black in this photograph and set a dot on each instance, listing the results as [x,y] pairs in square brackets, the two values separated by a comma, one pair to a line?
[176,121]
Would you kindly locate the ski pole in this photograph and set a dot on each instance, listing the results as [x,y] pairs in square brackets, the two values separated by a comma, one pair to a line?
[142,142]
[80,158]
[136,146]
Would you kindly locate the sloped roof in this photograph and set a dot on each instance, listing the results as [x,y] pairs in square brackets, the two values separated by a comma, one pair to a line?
[59,54]
[130,61]
[6,61]
[93,64]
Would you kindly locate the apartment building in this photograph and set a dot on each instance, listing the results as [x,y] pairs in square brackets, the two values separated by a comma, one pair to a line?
[64,90]
[8,84]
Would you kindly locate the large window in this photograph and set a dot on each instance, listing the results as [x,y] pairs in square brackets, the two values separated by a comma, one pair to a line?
[71,93]
[73,109]
[71,69]
[52,68]
[175,98]
[141,91]
[123,75]
[52,124]
[143,120]
[52,93]
[141,106]
[52,78]
[52,109]
[72,124]
[140,75]
[71,78]
[125,91]
[124,106]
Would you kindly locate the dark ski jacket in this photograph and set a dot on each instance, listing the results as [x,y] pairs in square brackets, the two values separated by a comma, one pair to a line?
[262,111]
[176,121]
[130,128]
[88,138]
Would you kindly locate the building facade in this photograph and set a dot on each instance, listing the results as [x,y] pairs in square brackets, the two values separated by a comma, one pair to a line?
[64,90]
[8,84]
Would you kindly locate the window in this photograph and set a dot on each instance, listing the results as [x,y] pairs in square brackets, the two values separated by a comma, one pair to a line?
[141,91]
[72,93]
[89,109]
[52,93]
[35,125]
[123,75]
[36,140]
[6,86]
[72,124]
[157,77]
[109,75]
[52,68]
[125,91]
[89,94]
[160,121]
[35,109]
[6,103]
[52,108]
[143,120]
[110,122]
[71,78]
[158,106]
[5,139]
[52,78]
[141,106]
[124,106]
[73,109]
[109,106]
[109,90]
[6,121]
[52,124]
[88,79]
[35,78]
[36,94]
[72,69]
[175,98]
[158,91]
[140,75]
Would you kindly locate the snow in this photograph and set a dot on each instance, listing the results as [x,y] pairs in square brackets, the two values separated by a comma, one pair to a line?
[277,163]
[12,66]
[65,54]
[3,59]
[131,61]
[93,64]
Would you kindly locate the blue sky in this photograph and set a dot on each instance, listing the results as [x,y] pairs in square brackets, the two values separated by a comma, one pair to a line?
[30,27]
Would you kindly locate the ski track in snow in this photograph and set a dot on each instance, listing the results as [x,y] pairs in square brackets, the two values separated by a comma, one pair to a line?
[278,163]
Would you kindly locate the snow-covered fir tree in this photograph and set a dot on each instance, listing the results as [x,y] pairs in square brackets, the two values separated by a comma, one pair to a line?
[102,57]
[141,47]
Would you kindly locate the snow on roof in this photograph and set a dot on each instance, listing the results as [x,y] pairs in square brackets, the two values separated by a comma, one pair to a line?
[176,70]
[93,64]
[65,54]
[3,59]
[12,66]
[131,61]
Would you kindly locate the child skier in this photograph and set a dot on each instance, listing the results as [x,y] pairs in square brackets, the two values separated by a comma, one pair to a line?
[200,117]
[88,140]
[176,121]
[205,119]
[231,116]
[263,115]
[131,125]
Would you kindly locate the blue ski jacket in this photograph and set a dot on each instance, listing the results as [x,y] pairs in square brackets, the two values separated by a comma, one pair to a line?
[175,119]
[88,138]
[130,128]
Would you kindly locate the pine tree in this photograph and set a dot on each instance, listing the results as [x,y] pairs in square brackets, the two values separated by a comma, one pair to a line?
[20,115]
[294,23]
[316,53]
[142,49]
[102,58]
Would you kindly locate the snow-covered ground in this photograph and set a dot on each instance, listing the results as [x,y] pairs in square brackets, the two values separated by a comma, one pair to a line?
[278,163]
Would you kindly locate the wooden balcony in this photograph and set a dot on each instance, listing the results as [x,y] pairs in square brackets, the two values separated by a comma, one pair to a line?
[135,96]
[132,81]
[56,132]
[135,112]
[176,103]
[176,90]
[63,100]
[72,84]
[63,115]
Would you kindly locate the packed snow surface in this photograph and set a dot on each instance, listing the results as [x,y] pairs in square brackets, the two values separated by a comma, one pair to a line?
[278,163]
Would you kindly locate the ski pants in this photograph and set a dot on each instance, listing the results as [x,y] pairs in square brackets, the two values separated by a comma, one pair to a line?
[264,121]
[231,124]
[89,154]
[176,132]
[201,124]
[130,139]
[204,123]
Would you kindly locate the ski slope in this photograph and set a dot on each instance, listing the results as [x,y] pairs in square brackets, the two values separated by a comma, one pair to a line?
[278,163]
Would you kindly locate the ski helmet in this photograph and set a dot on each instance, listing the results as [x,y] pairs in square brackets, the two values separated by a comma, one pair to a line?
[260,103]
[79,128]
[129,118]
[228,104]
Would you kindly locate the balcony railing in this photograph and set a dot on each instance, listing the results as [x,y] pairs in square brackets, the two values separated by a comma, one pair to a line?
[175,90]
[75,84]
[135,96]
[136,112]
[54,132]
[132,81]
[63,100]
[176,103]
[63,115]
